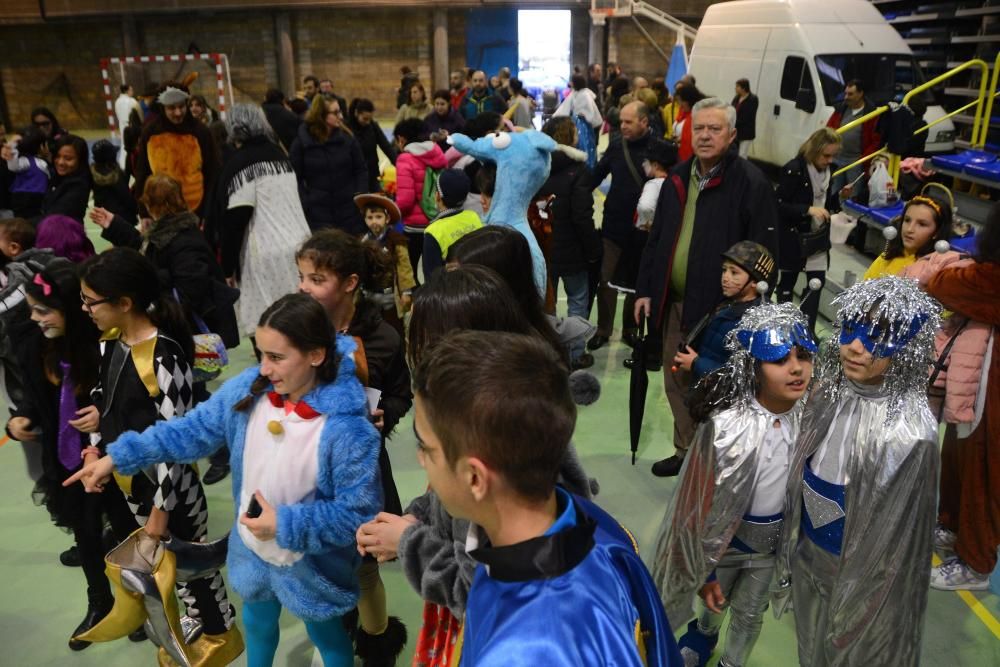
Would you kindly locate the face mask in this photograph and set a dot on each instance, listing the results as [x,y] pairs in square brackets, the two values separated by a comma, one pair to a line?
[770,345]
[879,339]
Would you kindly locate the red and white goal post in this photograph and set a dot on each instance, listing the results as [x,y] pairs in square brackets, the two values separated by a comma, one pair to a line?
[220,62]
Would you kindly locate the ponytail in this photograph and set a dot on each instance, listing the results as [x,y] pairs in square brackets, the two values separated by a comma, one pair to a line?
[168,316]
[300,319]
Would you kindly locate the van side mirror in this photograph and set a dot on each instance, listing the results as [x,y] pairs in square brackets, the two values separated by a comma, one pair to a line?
[806,100]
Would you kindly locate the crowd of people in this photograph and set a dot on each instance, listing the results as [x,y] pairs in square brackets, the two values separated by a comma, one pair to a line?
[374,275]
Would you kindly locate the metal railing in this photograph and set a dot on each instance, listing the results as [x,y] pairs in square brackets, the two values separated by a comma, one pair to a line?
[978,121]
[984,125]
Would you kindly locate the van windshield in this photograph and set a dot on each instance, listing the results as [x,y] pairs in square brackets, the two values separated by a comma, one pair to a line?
[886,76]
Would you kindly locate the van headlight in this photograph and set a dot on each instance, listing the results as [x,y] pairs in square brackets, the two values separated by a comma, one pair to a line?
[944,136]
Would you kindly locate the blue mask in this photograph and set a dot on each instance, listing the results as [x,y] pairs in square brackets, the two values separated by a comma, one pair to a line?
[881,340]
[772,345]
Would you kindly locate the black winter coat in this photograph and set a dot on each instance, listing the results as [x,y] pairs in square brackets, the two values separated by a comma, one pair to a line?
[575,242]
[795,196]
[329,176]
[619,207]
[746,117]
[40,405]
[186,263]
[736,204]
[283,121]
[111,192]
[371,137]
[68,195]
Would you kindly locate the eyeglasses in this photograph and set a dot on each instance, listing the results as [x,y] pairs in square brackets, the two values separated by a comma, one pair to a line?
[89,304]
[338,112]
[42,123]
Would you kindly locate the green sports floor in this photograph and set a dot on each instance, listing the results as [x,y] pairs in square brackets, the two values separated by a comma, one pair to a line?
[41,602]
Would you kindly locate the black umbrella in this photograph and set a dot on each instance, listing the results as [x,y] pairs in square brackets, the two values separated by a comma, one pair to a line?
[637,386]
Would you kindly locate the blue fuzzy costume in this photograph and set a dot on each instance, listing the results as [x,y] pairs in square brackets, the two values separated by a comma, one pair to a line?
[523,165]
[323,584]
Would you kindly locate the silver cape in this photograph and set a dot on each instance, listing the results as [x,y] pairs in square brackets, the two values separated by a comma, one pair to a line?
[715,491]
[877,588]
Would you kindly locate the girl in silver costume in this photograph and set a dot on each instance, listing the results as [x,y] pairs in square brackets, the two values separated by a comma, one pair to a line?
[860,509]
[718,537]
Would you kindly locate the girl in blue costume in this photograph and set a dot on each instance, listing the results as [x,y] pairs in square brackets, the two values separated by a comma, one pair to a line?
[299,506]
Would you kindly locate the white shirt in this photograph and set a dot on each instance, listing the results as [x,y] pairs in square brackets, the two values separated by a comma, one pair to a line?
[646,207]
[773,462]
[283,467]
[123,107]
[581,103]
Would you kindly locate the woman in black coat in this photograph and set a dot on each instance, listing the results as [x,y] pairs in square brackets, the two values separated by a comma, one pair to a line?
[69,188]
[576,248]
[805,204]
[330,169]
[175,244]
[443,120]
[371,137]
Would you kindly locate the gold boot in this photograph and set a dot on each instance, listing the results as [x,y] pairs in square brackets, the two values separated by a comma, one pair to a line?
[143,575]
[128,613]
[209,650]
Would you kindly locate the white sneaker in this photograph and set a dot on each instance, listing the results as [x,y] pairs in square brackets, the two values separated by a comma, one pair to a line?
[944,539]
[955,575]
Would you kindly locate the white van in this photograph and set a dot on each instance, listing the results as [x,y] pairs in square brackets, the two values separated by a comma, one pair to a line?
[797,55]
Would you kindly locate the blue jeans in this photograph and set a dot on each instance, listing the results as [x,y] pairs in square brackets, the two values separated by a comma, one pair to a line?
[577,296]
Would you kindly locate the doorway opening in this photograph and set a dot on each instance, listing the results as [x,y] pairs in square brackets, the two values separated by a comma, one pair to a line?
[543,50]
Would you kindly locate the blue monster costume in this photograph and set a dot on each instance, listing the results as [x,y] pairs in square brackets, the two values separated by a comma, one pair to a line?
[523,160]
[578,595]
[322,584]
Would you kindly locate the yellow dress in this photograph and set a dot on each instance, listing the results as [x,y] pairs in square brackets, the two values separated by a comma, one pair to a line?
[889,267]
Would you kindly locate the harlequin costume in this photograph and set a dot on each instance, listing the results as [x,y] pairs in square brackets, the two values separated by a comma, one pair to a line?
[141,385]
[860,508]
[322,490]
[577,595]
[726,516]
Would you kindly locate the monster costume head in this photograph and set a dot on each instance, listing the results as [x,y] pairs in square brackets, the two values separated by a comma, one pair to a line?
[523,160]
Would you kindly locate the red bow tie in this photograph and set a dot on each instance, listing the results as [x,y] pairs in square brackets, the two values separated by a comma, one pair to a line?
[302,409]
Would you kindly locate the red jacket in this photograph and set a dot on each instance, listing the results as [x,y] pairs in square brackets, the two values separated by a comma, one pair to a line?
[871,139]
[411,165]
[457,97]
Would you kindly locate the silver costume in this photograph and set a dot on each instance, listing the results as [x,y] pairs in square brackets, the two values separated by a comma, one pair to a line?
[708,527]
[876,446]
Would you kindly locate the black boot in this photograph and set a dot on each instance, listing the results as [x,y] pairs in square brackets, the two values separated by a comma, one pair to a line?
[97,609]
[381,650]
[350,622]
[70,557]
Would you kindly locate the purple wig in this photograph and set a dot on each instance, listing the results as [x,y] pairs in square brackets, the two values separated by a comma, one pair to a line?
[65,236]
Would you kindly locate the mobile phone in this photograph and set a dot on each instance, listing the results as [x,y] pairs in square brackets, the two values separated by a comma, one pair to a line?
[254,509]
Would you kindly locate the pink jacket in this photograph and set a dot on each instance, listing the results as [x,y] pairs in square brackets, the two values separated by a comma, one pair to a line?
[411,165]
[953,397]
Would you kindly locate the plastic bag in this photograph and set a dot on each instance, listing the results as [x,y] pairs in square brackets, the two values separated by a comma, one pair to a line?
[879,184]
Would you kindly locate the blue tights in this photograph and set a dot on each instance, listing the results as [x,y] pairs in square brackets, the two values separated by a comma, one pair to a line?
[261,622]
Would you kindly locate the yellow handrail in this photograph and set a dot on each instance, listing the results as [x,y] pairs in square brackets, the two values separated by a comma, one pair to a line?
[975,62]
[870,156]
[864,119]
[988,111]
[946,117]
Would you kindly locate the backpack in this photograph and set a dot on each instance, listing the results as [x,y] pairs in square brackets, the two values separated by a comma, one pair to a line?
[428,199]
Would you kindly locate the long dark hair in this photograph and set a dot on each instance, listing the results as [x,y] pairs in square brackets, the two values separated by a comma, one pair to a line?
[988,238]
[300,319]
[79,145]
[78,345]
[118,273]
[942,218]
[57,129]
[338,252]
[506,251]
[358,105]
[466,297]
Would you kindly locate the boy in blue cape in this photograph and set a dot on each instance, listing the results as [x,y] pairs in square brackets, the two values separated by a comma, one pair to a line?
[559,581]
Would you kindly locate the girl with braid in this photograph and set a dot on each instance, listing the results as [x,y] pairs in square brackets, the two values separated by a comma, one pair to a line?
[304,456]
